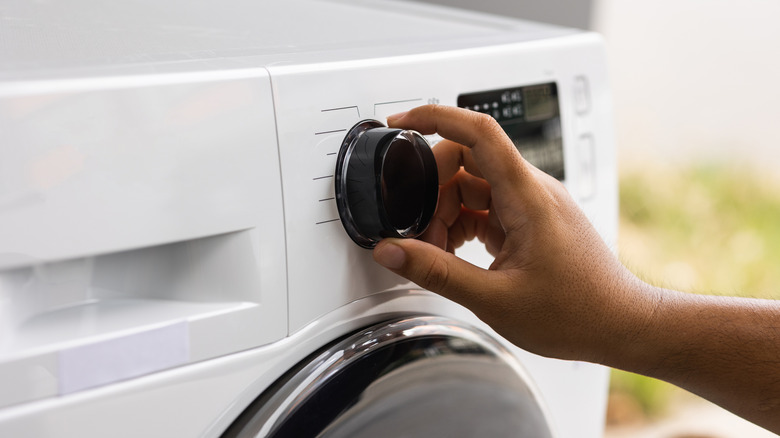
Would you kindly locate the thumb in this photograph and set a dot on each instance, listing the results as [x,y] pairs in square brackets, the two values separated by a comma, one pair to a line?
[432,268]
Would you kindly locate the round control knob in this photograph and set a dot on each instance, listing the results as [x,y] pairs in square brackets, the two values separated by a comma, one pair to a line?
[387,184]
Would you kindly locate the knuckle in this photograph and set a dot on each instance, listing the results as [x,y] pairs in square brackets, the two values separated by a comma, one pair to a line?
[488,128]
[434,110]
[437,274]
[485,123]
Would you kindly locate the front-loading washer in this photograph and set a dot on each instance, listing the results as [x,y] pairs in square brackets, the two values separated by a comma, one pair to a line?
[172,258]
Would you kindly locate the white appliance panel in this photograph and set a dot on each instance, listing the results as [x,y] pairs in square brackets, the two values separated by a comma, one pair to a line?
[128,205]
[321,104]
[128,163]
[166,185]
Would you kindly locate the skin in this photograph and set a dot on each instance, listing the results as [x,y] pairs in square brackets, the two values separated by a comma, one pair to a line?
[556,289]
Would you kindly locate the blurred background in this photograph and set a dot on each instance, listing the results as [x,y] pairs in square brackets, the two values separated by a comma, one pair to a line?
[695,87]
[696,91]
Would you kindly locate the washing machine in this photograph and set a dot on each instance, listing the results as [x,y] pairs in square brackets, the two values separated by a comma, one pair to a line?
[174,260]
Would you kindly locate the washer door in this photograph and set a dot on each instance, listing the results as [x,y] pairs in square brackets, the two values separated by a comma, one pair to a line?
[413,377]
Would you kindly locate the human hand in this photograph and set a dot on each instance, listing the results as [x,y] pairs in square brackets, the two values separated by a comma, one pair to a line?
[554,287]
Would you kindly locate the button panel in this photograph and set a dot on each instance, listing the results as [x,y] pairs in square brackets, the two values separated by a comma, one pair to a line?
[585,143]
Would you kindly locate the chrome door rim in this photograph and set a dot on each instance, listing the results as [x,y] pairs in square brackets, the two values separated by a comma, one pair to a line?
[292,391]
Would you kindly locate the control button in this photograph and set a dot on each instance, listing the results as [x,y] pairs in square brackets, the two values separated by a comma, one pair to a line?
[387,184]
[581,95]
[586,153]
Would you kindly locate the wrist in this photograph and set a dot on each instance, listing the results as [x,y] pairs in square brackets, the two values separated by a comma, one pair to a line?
[627,339]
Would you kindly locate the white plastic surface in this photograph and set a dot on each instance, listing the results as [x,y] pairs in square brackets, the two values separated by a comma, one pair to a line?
[142,166]
[92,167]
[203,399]
[310,135]
[48,39]
[216,295]
[114,360]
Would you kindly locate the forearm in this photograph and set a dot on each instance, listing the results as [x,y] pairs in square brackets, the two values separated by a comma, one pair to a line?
[724,349]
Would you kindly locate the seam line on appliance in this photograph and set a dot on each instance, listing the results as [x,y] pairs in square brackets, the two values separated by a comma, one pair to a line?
[284,202]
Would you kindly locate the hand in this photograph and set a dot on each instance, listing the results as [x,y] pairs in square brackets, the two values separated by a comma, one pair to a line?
[554,287]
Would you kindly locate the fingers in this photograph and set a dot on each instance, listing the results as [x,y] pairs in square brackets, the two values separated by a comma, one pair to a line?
[492,151]
[457,124]
[462,190]
[450,157]
[470,225]
[433,269]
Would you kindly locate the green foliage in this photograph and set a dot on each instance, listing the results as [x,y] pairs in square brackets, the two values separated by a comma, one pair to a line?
[705,229]
[651,395]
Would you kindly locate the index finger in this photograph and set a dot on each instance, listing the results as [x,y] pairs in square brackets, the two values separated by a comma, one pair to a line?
[493,151]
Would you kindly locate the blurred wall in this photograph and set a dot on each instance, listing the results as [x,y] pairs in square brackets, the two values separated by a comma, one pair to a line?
[694,80]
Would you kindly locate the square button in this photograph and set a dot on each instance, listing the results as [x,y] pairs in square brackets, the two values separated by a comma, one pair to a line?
[581,95]
[586,154]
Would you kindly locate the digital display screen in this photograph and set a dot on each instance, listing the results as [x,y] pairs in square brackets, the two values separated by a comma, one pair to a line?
[530,116]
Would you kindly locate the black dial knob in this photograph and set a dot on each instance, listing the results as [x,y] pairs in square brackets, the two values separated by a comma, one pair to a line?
[387,184]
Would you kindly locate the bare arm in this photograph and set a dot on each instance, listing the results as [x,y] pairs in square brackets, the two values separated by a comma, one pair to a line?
[724,349]
[555,288]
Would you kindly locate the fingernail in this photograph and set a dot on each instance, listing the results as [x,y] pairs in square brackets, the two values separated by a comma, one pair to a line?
[390,256]
[395,117]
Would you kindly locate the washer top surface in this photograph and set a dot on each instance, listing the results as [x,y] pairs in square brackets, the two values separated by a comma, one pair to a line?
[50,39]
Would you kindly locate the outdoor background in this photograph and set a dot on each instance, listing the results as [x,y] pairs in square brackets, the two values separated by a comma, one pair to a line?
[696,87]
[696,90]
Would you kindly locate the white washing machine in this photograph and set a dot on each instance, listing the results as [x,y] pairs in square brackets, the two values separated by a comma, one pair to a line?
[172,259]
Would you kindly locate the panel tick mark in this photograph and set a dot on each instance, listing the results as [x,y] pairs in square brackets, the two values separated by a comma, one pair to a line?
[330,132]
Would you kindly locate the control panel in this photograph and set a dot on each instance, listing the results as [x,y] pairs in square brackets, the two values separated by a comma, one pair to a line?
[530,115]
[531,91]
